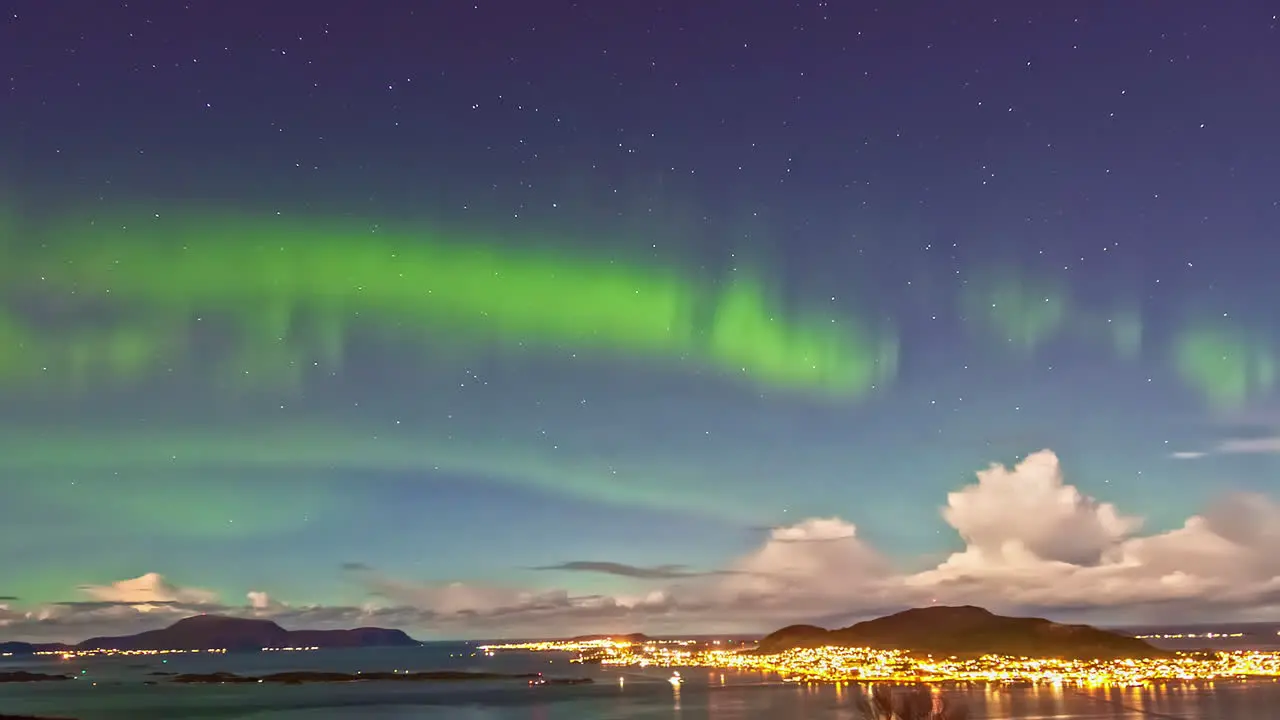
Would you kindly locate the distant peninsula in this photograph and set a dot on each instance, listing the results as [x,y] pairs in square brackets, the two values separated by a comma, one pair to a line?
[633,638]
[965,631]
[208,632]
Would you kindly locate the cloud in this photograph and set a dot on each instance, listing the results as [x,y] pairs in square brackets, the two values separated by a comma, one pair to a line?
[1252,445]
[1043,545]
[1259,445]
[1032,543]
[815,563]
[656,572]
[148,589]
[1029,511]
[262,601]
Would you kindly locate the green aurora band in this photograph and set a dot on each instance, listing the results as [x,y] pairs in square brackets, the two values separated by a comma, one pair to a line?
[1022,311]
[132,293]
[291,291]
[1026,312]
[1229,365]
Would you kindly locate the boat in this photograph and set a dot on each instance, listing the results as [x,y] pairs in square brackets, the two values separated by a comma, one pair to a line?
[675,678]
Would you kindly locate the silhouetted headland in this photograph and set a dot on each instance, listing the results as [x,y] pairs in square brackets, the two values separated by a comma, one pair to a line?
[25,648]
[205,632]
[966,631]
[633,638]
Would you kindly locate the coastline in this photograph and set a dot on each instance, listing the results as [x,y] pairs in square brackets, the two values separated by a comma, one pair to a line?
[120,692]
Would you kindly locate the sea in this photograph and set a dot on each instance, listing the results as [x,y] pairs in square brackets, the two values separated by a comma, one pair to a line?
[115,689]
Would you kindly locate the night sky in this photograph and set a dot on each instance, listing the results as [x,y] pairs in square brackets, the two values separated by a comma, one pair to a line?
[472,318]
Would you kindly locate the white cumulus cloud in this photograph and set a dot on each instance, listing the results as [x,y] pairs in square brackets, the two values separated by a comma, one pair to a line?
[1032,540]
[259,600]
[149,588]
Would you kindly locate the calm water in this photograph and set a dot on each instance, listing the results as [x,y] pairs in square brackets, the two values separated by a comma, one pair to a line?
[617,694]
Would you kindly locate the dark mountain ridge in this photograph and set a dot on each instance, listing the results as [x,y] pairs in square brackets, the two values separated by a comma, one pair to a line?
[26,648]
[966,631]
[206,632]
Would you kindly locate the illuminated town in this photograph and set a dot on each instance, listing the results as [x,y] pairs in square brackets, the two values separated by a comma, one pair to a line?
[841,664]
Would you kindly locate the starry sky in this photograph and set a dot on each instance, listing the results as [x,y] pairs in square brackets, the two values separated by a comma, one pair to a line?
[582,298]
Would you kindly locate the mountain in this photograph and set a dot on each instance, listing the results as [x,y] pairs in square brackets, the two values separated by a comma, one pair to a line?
[203,632]
[16,648]
[965,631]
[24,648]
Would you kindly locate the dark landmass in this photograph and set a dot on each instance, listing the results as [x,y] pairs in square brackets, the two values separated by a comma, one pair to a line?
[966,631]
[205,632]
[24,676]
[23,648]
[307,677]
[633,638]
[28,717]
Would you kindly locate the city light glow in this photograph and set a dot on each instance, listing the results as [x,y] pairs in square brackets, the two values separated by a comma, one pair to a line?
[842,664]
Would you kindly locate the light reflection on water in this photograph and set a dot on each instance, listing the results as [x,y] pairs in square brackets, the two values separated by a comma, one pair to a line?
[618,694]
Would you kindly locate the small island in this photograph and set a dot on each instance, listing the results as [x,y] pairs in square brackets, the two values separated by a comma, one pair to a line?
[633,638]
[220,632]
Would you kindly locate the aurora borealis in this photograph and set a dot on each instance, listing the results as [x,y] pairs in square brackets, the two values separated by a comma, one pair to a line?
[334,304]
[287,291]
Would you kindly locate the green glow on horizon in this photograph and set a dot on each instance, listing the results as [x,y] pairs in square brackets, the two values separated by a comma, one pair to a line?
[192,503]
[292,292]
[133,479]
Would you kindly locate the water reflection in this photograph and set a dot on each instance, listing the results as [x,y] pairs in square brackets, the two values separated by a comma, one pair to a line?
[628,694]
[1199,701]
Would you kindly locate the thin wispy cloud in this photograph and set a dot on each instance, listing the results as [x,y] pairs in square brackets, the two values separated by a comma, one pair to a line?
[1251,446]
[639,572]
[1262,445]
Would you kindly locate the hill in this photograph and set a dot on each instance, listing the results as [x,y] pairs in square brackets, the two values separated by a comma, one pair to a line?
[24,648]
[965,631]
[203,632]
